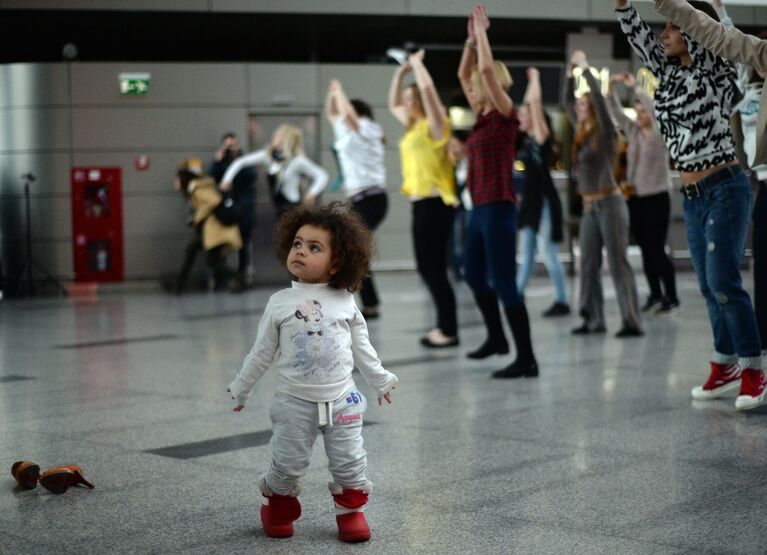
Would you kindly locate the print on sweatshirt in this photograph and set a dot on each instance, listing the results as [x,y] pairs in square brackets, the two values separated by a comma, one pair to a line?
[315,346]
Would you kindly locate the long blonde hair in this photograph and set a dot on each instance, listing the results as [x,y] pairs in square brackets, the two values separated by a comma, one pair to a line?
[292,140]
[478,89]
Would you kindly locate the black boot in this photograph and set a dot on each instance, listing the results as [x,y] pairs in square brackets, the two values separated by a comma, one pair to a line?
[496,343]
[525,366]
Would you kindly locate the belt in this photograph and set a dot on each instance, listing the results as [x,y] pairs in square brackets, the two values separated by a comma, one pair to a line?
[601,194]
[696,190]
[369,192]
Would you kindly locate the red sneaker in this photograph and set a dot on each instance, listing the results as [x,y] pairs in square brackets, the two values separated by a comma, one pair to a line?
[352,527]
[723,378]
[753,389]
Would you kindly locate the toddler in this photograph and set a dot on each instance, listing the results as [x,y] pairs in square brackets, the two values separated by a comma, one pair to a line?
[314,335]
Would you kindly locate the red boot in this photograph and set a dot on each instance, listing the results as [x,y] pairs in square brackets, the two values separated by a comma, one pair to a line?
[278,516]
[352,526]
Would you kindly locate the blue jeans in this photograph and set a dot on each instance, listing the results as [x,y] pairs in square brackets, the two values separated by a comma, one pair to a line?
[550,252]
[490,252]
[717,223]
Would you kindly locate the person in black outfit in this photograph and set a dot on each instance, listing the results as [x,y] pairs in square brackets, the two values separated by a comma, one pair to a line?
[540,212]
[243,193]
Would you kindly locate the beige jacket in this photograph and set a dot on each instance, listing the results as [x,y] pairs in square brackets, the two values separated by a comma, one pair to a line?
[204,198]
[728,43]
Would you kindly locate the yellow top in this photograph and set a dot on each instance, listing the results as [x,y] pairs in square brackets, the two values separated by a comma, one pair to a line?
[426,169]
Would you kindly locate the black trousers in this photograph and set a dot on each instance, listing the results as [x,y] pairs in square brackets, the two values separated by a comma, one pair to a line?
[649,220]
[760,261]
[373,210]
[247,221]
[215,258]
[432,226]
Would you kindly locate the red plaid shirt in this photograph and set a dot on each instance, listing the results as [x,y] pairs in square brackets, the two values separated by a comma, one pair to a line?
[492,149]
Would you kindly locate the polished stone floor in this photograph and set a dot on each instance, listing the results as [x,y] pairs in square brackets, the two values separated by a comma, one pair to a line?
[604,453]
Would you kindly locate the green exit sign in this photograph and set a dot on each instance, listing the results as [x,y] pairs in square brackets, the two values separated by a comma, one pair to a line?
[134,84]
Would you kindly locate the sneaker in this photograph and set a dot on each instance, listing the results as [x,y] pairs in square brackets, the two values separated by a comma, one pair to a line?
[667,308]
[723,378]
[651,303]
[753,388]
[557,309]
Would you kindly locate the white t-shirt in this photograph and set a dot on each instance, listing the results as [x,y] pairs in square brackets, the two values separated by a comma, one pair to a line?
[313,335]
[295,168]
[361,154]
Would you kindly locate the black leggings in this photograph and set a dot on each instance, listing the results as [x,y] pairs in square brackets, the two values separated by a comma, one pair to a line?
[649,220]
[372,209]
[432,226]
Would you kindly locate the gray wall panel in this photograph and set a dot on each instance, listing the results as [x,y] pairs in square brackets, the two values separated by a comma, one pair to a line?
[602,10]
[33,85]
[122,5]
[151,258]
[373,79]
[572,9]
[152,128]
[34,129]
[760,16]
[158,217]
[50,169]
[298,83]
[312,6]
[170,84]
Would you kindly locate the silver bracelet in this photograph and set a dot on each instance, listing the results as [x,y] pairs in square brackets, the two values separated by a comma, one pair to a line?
[470,44]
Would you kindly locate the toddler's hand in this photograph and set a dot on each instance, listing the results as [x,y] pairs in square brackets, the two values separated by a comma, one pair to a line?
[239,407]
[386,396]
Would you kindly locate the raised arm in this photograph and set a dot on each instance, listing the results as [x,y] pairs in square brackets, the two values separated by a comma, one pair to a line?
[432,105]
[499,98]
[606,128]
[567,100]
[253,159]
[467,65]
[396,107]
[626,124]
[534,101]
[641,38]
[726,42]
[331,108]
[346,109]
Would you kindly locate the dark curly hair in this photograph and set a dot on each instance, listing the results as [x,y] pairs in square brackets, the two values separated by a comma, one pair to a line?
[352,243]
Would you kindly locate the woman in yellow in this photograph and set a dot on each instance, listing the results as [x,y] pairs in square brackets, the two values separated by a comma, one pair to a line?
[429,183]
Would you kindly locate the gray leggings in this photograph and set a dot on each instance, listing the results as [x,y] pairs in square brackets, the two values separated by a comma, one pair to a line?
[295,424]
[605,223]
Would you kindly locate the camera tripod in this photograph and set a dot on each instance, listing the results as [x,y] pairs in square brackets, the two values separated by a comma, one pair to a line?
[26,286]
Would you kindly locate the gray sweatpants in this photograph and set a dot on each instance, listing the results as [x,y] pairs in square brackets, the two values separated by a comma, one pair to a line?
[606,223]
[295,424]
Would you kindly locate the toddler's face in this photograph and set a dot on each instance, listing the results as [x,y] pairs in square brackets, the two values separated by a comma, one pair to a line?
[311,256]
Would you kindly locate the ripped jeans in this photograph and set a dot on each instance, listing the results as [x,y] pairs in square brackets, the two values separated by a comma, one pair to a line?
[717,224]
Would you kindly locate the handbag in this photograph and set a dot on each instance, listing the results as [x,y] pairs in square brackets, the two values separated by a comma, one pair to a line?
[227,212]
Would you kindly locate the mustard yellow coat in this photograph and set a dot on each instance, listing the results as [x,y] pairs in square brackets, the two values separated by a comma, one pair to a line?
[204,197]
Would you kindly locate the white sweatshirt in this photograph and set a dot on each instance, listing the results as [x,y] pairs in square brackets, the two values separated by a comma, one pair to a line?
[290,186]
[313,335]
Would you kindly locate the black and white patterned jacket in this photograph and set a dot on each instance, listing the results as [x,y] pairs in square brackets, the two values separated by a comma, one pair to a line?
[692,104]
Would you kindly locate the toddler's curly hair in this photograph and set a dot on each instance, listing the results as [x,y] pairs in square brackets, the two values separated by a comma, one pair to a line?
[352,243]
